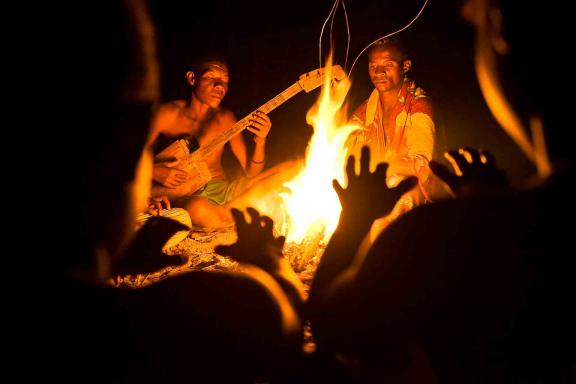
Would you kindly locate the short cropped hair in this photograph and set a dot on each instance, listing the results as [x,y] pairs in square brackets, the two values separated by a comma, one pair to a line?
[200,64]
[391,43]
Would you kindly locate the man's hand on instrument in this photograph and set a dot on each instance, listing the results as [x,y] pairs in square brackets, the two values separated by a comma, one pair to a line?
[260,125]
[168,176]
[157,203]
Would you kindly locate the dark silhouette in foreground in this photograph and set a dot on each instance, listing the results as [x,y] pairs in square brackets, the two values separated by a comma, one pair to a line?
[478,289]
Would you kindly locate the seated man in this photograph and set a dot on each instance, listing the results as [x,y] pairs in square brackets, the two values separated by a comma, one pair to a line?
[199,119]
[475,289]
[182,329]
[397,118]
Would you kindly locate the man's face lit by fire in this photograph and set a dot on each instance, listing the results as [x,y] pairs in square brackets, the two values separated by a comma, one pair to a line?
[385,69]
[211,85]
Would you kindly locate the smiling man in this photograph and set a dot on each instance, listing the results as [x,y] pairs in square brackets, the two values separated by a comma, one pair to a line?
[201,119]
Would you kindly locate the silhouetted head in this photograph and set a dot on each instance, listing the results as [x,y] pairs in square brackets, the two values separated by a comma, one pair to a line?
[106,172]
[520,48]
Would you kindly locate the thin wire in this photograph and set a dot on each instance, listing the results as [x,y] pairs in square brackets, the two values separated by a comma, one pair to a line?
[322,32]
[348,32]
[331,16]
[388,35]
[332,27]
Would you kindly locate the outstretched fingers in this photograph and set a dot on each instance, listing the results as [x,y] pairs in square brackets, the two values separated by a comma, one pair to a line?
[381,170]
[254,216]
[337,187]
[457,160]
[367,194]
[365,161]
[239,218]
[267,224]
[471,155]
[487,158]
[350,167]
[350,174]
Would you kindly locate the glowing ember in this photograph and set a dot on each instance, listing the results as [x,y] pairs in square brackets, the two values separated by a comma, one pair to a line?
[312,205]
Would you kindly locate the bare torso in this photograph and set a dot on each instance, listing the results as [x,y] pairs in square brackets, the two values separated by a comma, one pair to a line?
[213,128]
[174,121]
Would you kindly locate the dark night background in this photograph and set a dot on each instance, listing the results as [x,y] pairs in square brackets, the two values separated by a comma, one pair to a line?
[269,44]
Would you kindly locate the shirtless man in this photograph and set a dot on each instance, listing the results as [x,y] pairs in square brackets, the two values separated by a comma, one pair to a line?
[200,117]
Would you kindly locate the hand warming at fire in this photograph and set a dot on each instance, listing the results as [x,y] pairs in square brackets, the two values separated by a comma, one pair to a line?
[258,246]
[475,172]
[367,197]
[256,243]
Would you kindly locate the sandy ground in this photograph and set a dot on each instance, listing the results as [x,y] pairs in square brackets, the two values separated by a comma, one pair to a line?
[198,249]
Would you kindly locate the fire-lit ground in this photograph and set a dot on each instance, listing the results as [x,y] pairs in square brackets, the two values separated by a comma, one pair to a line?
[305,207]
[300,199]
[198,251]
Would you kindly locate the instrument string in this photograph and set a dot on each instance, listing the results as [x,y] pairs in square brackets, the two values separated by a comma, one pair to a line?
[388,35]
[331,16]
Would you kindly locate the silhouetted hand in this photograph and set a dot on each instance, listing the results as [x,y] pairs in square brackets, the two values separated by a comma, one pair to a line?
[367,196]
[144,254]
[256,243]
[475,172]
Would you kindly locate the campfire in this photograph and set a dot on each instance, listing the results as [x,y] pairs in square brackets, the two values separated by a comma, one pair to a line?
[307,210]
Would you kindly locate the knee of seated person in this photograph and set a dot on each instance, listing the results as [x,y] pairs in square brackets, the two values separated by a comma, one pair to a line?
[216,218]
[205,214]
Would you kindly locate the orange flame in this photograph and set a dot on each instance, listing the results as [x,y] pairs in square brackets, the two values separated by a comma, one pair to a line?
[308,209]
[312,205]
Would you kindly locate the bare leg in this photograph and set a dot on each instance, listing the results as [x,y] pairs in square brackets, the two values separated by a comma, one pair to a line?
[270,179]
[206,214]
[263,192]
[209,215]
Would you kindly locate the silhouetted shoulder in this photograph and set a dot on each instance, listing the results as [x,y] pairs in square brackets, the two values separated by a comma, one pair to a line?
[482,250]
[197,321]
[241,300]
